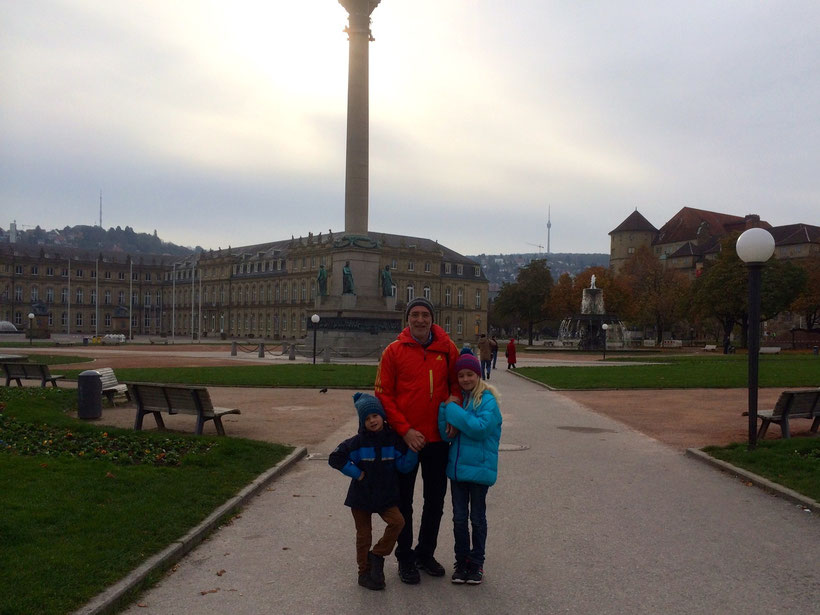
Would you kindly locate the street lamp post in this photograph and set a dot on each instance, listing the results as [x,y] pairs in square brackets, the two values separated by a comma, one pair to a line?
[604,327]
[754,247]
[315,320]
[31,328]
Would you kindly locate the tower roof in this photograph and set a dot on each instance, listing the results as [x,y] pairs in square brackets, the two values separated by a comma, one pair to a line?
[634,222]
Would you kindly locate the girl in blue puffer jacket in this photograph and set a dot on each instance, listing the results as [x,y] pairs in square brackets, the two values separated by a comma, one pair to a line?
[473,429]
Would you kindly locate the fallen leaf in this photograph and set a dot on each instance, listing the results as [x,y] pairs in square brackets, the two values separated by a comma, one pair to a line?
[142,605]
[109,475]
[220,573]
[209,591]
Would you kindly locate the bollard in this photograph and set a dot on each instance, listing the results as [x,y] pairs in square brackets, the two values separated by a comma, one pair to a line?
[89,395]
[233,349]
[292,352]
[261,351]
[326,355]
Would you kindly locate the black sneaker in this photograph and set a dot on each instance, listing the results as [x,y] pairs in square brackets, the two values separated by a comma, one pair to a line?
[365,580]
[475,574]
[430,566]
[459,573]
[408,573]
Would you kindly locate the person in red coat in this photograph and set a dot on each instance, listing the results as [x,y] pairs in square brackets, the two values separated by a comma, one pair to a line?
[415,375]
[510,354]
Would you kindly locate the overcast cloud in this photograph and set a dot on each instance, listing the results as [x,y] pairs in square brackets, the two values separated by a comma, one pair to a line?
[220,123]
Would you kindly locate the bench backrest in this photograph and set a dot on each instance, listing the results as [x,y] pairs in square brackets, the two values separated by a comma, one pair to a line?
[107,377]
[15,370]
[173,399]
[36,370]
[797,403]
[150,397]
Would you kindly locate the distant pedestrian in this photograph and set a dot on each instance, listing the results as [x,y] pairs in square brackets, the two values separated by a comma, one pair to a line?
[510,354]
[485,355]
[473,429]
[371,459]
[494,349]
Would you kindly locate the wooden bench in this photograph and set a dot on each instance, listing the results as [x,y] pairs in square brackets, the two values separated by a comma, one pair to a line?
[110,385]
[29,371]
[155,399]
[770,350]
[710,347]
[791,405]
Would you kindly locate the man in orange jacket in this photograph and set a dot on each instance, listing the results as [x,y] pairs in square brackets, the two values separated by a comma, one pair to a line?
[415,376]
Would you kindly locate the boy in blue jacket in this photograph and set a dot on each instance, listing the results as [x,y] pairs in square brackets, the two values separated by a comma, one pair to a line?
[371,459]
[473,429]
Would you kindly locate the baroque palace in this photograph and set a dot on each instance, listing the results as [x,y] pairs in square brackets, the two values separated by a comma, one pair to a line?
[263,291]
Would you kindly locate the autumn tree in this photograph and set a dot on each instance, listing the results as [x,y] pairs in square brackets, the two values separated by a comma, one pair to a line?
[807,303]
[658,294]
[526,299]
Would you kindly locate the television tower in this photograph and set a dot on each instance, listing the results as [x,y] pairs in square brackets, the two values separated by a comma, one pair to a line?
[549,226]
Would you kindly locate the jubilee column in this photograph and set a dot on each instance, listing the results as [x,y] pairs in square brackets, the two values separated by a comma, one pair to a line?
[356,170]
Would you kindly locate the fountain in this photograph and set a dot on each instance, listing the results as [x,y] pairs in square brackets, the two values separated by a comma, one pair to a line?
[585,329]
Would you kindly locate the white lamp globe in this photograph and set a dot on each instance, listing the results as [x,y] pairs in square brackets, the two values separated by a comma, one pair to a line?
[755,245]
[31,316]
[314,319]
[604,326]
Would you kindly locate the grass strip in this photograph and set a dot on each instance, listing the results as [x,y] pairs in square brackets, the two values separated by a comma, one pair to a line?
[79,513]
[793,463]
[683,373]
[306,376]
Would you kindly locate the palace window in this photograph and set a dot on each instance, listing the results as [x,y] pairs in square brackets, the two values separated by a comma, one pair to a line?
[459,269]
[460,297]
[428,267]
[427,293]
[411,292]
[459,327]
[448,296]
[411,265]
[477,299]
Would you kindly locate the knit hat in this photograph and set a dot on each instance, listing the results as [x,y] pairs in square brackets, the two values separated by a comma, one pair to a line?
[467,360]
[419,302]
[366,405]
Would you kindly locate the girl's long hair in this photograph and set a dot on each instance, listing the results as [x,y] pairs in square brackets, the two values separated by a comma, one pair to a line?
[479,389]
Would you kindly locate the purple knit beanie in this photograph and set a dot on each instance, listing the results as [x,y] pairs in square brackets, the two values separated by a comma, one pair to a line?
[467,360]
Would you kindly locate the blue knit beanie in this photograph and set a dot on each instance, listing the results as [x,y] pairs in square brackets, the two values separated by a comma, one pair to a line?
[467,360]
[366,405]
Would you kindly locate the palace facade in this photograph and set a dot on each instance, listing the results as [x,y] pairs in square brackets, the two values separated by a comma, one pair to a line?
[262,291]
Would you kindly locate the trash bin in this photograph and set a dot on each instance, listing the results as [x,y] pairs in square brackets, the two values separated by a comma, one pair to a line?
[85,341]
[814,349]
[89,392]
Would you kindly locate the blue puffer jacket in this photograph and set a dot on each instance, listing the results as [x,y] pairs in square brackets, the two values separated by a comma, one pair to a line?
[473,453]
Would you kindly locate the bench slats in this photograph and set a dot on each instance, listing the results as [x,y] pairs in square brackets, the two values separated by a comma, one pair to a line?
[29,371]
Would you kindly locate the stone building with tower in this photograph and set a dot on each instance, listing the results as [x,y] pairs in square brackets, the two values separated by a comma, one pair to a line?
[692,237]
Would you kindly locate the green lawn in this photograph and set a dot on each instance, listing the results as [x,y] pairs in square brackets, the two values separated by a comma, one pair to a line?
[721,371]
[298,375]
[56,359]
[794,463]
[83,506]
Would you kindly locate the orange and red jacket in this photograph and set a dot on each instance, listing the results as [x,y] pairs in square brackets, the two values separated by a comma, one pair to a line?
[413,380]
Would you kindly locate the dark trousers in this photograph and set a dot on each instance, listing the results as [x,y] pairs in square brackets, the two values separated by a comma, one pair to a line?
[495,357]
[485,368]
[469,509]
[433,464]
[364,534]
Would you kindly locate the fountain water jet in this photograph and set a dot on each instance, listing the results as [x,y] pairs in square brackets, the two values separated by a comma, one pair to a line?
[585,329]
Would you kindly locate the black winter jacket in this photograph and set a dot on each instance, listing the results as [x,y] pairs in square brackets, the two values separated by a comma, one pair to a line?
[379,455]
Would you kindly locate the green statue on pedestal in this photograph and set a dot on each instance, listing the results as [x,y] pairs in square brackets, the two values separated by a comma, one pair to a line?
[387,282]
[321,279]
[347,280]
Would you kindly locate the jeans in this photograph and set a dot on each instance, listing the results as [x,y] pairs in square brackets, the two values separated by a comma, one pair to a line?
[485,369]
[495,357]
[469,501]
[433,463]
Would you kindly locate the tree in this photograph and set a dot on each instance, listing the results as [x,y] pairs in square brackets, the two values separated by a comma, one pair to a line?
[807,303]
[722,290]
[658,294]
[562,302]
[526,299]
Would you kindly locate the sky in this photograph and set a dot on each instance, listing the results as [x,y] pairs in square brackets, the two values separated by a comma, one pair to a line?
[221,123]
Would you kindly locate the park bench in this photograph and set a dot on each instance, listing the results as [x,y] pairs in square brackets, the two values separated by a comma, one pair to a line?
[770,350]
[29,371]
[710,347]
[110,385]
[791,405]
[155,399]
